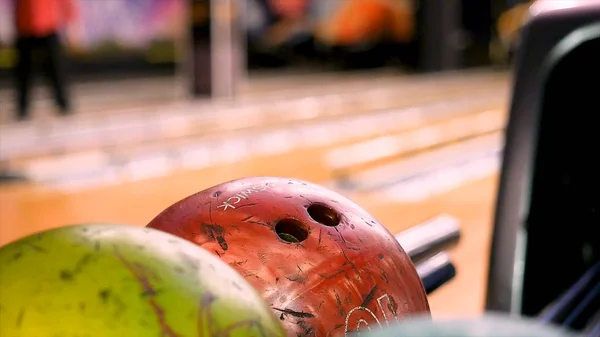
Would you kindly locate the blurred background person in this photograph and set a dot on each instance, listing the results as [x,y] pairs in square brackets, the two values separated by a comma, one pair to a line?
[38,27]
[356,22]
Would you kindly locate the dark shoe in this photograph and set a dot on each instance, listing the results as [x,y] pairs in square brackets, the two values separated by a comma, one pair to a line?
[22,116]
[65,110]
[11,177]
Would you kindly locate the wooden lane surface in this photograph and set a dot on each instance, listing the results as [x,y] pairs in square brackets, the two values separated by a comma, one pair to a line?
[345,125]
[121,94]
[25,209]
[186,130]
[187,119]
[291,157]
[295,158]
[31,208]
[360,156]
[92,98]
[425,173]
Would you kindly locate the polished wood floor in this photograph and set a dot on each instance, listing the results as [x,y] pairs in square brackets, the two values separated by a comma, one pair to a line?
[430,143]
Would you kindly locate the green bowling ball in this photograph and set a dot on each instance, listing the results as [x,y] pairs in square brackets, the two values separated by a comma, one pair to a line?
[496,325]
[122,281]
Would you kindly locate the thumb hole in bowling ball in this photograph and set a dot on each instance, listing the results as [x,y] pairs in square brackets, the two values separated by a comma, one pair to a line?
[323,215]
[291,230]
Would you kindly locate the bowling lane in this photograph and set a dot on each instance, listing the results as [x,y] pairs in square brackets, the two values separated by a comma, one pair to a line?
[197,119]
[122,95]
[206,166]
[375,111]
[146,188]
[227,122]
[330,143]
[97,97]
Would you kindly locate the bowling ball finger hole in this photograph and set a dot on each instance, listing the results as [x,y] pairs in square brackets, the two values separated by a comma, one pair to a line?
[291,230]
[323,215]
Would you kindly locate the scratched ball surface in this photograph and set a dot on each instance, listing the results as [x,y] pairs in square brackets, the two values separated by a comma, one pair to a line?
[115,280]
[324,265]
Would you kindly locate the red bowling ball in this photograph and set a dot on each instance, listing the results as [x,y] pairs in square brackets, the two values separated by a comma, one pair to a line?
[323,264]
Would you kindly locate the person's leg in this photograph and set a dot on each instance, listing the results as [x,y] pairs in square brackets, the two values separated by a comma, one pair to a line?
[55,71]
[23,72]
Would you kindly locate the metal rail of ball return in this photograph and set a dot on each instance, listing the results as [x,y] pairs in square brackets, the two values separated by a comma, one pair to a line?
[427,245]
